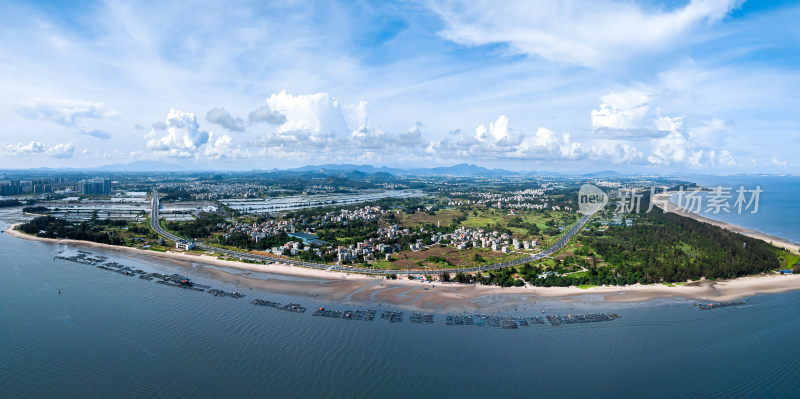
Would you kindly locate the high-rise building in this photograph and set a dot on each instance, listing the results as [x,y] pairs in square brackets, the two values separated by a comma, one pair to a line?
[11,187]
[96,187]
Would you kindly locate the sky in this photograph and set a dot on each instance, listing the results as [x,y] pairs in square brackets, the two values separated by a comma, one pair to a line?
[702,86]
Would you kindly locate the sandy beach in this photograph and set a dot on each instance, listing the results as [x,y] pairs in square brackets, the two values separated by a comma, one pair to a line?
[358,289]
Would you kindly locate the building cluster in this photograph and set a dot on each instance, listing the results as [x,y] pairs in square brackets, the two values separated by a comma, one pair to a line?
[96,187]
[464,238]
[35,186]
[363,250]
[258,231]
[530,199]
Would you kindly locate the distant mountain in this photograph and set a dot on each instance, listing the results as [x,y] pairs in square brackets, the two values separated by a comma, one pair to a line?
[603,173]
[455,170]
[462,170]
[335,169]
[140,166]
[349,171]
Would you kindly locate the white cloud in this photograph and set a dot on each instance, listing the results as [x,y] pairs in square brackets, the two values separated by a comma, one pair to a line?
[616,152]
[622,111]
[500,141]
[318,114]
[222,117]
[580,32]
[61,150]
[319,122]
[499,133]
[775,161]
[412,137]
[20,149]
[223,147]
[183,137]
[680,147]
[366,137]
[265,114]
[63,111]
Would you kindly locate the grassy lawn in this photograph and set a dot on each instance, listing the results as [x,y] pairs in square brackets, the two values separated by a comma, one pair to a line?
[587,286]
[382,264]
[787,260]
[444,216]
[418,260]
[668,284]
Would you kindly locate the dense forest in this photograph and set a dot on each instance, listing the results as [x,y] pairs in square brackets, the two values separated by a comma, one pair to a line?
[243,240]
[669,247]
[660,247]
[201,227]
[50,227]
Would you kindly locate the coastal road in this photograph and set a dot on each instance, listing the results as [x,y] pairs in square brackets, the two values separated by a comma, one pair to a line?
[561,243]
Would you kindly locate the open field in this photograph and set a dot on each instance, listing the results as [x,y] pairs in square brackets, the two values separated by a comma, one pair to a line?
[419,260]
[444,216]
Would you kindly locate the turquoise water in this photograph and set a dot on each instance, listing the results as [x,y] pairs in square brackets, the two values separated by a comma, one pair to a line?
[779,204]
[108,335]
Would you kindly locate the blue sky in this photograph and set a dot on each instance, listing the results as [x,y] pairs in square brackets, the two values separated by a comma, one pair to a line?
[652,86]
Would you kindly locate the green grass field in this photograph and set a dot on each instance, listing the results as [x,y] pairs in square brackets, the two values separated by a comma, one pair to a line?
[787,260]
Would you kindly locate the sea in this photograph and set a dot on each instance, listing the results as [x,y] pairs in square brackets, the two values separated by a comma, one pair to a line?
[777,201]
[106,335]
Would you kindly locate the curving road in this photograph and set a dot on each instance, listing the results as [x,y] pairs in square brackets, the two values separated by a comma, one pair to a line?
[259,258]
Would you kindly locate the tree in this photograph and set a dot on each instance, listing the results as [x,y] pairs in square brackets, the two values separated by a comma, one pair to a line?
[444,276]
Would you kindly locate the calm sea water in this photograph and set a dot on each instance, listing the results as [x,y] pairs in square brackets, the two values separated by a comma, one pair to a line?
[108,335]
[778,206]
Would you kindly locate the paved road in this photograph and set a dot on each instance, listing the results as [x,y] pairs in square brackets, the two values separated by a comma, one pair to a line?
[259,258]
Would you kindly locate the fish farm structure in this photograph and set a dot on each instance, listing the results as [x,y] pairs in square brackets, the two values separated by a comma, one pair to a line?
[479,320]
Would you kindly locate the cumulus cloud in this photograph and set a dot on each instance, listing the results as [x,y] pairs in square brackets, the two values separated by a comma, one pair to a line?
[222,117]
[318,114]
[498,133]
[20,149]
[624,114]
[62,150]
[412,137]
[63,111]
[683,147]
[315,121]
[366,137]
[777,162]
[499,141]
[580,32]
[266,115]
[183,136]
[100,134]
[223,147]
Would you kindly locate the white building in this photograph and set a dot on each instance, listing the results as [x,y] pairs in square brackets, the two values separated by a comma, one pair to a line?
[185,245]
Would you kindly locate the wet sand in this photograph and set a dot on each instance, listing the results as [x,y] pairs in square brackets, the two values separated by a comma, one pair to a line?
[357,289]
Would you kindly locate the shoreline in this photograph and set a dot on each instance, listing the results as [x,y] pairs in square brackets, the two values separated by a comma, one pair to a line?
[359,289]
[774,240]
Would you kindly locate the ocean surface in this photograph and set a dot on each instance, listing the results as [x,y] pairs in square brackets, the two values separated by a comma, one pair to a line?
[108,335]
[778,205]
